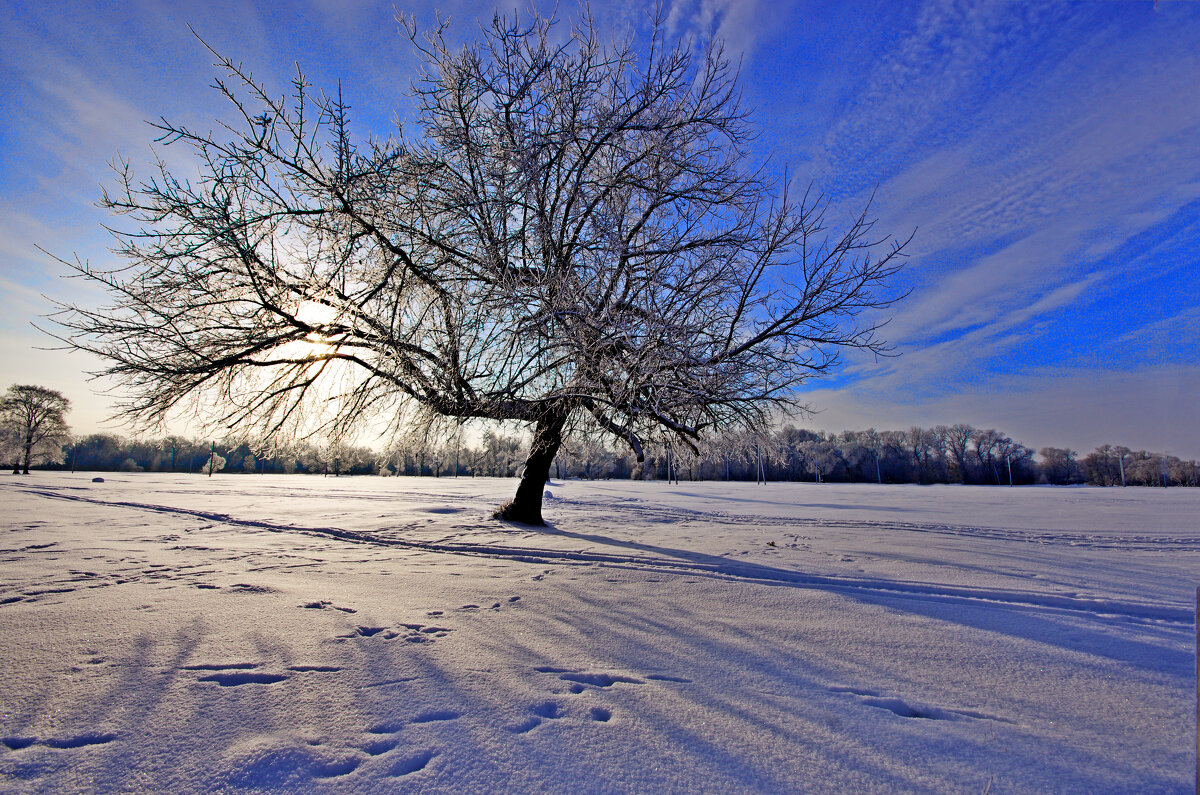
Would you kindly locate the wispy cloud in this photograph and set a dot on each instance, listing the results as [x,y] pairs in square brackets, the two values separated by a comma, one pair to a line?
[1076,407]
[738,23]
[1180,329]
[1029,143]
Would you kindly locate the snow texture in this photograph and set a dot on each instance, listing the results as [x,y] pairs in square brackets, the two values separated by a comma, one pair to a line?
[290,633]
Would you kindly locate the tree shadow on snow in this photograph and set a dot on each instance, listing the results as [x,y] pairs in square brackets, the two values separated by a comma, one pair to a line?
[1044,618]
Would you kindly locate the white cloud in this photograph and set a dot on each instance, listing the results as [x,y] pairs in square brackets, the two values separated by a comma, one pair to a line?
[1019,190]
[1182,328]
[738,23]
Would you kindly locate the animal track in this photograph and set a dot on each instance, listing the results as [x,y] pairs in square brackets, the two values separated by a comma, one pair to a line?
[325,669]
[599,714]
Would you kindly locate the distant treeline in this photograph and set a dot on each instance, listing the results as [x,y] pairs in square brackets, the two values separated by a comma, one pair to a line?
[943,454]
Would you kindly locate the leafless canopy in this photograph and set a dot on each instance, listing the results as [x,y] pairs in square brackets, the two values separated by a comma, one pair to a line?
[33,424]
[568,230]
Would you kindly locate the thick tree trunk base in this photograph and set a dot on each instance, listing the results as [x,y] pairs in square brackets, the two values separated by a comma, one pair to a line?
[526,507]
[512,511]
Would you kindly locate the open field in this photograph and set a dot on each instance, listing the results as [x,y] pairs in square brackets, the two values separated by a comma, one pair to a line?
[186,634]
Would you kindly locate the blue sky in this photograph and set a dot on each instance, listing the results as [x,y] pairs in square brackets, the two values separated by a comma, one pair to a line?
[1047,155]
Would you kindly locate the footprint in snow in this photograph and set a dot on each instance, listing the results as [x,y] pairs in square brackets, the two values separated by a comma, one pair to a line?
[378,747]
[387,727]
[436,715]
[284,763]
[598,680]
[322,604]
[412,764]
[73,741]
[904,709]
[239,678]
[79,740]
[547,710]
[410,633]
[394,726]
[245,587]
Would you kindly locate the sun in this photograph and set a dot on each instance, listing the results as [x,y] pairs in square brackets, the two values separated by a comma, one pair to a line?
[315,345]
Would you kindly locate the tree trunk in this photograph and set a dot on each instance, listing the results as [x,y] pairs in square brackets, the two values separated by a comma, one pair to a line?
[526,506]
[28,453]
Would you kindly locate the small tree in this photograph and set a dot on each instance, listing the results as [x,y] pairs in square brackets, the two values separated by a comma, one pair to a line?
[216,462]
[34,420]
[956,440]
[1059,466]
[573,234]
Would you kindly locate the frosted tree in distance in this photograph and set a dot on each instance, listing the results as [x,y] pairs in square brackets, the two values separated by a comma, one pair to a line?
[569,234]
[33,422]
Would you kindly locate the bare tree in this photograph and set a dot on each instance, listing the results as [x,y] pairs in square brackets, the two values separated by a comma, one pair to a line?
[573,232]
[34,420]
[988,447]
[923,445]
[1060,466]
[956,439]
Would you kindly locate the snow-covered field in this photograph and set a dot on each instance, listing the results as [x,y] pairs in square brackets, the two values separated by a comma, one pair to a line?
[184,634]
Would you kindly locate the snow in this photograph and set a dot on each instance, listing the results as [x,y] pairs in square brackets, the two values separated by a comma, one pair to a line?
[297,633]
